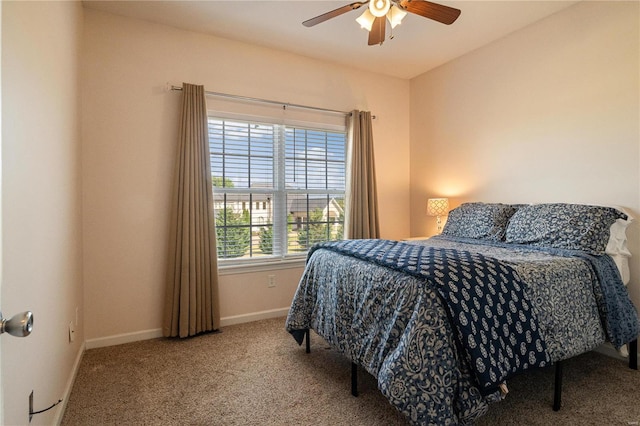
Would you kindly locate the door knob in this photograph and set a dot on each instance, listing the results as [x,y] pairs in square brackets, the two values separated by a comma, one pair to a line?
[19,325]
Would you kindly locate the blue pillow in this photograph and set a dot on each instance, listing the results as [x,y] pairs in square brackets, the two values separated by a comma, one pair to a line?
[565,226]
[482,221]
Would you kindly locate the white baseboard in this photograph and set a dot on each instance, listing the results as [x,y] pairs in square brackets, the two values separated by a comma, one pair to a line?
[69,386]
[119,339]
[254,316]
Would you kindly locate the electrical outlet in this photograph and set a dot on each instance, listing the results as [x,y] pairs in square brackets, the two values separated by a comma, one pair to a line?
[72,332]
[30,406]
[271,281]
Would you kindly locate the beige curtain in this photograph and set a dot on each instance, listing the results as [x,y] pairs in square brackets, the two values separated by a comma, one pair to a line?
[191,304]
[361,218]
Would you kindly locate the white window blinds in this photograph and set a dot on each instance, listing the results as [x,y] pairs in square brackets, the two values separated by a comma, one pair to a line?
[278,189]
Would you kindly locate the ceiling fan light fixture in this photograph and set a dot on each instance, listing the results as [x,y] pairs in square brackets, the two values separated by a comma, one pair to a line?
[366,20]
[375,16]
[379,8]
[395,16]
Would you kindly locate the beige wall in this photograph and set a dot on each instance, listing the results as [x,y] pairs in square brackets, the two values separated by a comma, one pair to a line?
[547,114]
[129,127]
[40,202]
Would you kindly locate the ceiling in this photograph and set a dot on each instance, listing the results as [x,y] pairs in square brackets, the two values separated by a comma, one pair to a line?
[419,44]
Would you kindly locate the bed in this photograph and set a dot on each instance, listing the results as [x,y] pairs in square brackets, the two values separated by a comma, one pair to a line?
[444,323]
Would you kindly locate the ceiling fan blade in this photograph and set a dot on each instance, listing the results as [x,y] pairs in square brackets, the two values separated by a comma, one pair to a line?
[376,35]
[332,14]
[437,12]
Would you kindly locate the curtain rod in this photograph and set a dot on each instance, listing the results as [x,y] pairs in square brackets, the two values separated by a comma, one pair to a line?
[267,101]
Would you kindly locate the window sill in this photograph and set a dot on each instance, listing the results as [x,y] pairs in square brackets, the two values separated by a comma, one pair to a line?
[246,268]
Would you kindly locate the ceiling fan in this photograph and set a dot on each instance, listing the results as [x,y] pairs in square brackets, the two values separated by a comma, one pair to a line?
[375,16]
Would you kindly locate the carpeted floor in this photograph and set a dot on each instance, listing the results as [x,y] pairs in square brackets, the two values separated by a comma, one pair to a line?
[255,374]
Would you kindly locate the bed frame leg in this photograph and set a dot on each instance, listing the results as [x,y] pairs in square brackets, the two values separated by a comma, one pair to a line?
[557,391]
[633,354]
[354,379]
[307,338]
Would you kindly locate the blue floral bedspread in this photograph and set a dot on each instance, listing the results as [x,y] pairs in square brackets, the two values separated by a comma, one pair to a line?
[441,325]
[485,299]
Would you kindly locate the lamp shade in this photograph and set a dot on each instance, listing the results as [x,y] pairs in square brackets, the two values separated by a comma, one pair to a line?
[437,206]
[379,8]
[366,20]
[395,16]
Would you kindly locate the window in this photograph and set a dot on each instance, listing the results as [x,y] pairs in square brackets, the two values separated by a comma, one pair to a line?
[278,189]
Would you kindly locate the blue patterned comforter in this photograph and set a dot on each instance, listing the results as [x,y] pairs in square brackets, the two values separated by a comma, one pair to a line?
[438,349]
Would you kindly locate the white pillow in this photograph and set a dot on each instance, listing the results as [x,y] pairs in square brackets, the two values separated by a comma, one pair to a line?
[617,245]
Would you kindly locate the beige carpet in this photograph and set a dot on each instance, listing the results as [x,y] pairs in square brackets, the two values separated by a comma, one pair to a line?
[255,374]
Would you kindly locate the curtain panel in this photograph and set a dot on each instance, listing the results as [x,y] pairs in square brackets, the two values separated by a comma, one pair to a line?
[191,304]
[361,218]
